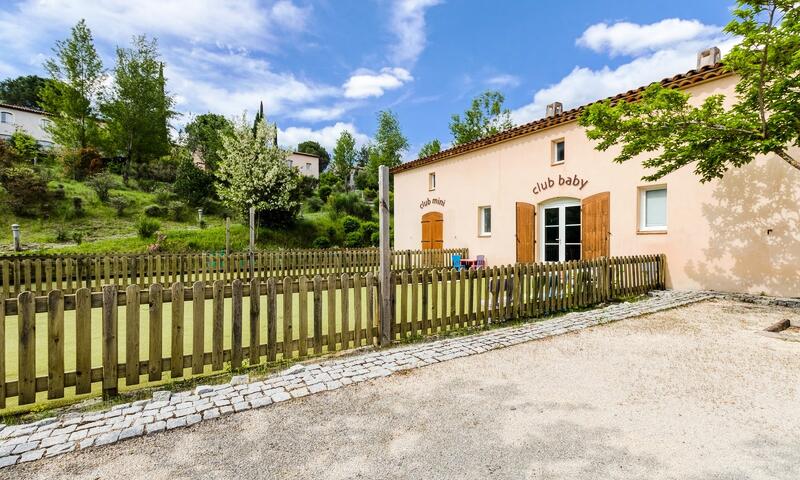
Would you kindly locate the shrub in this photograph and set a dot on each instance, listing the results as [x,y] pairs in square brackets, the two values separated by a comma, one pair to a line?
[59,193]
[368,229]
[193,185]
[313,204]
[79,164]
[61,234]
[350,224]
[324,192]
[8,155]
[147,227]
[120,203]
[375,239]
[27,190]
[77,206]
[26,146]
[321,242]
[350,204]
[156,211]
[177,211]
[353,240]
[102,183]
[163,195]
[77,237]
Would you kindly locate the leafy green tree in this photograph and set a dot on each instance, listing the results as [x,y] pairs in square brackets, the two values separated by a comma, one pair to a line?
[253,172]
[362,156]
[77,74]
[24,144]
[315,148]
[138,108]
[431,148]
[764,119]
[204,136]
[390,144]
[485,117]
[24,91]
[344,157]
[193,185]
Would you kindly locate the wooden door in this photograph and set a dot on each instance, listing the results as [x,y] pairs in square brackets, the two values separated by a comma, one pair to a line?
[595,225]
[526,228]
[432,231]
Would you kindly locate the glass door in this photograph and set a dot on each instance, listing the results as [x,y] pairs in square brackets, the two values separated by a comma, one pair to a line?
[561,230]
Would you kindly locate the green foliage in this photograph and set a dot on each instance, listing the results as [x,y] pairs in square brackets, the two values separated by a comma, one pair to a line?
[485,117]
[193,185]
[254,172]
[77,207]
[344,157]
[390,144]
[102,183]
[353,240]
[156,211]
[349,204]
[350,224]
[764,119]
[24,144]
[431,148]
[204,137]
[24,91]
[313,204]
[147,227]
[77,77]
[177,211]
[138,108]
[8,155]
[321,242]
[120,203]
[26,189]
[81,163]
[315,148]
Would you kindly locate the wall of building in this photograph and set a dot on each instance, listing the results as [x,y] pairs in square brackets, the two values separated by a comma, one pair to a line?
[30,122]
[308,165]
[741,233]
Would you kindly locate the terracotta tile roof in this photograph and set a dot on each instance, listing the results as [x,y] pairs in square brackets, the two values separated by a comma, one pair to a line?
[25,109]
[685,80]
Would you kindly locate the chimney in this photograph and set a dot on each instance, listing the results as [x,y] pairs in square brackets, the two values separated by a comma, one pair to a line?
[708,57]
[554,109]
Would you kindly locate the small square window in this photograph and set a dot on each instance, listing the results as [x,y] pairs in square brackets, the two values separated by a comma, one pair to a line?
[431,181]
[6,117]
[653,209]
[484,221]
[558,152]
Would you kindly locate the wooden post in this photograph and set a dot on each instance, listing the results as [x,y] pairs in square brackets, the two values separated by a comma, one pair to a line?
[252,248]
[385,272]
[227,235]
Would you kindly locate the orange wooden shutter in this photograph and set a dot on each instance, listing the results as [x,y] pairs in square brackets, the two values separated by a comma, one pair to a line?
[526,214]
[595,225]
[432,231]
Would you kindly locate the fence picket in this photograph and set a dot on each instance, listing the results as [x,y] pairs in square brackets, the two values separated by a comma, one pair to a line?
[55,344]
[132,335]
[176,363]
[110,341]
[154,359]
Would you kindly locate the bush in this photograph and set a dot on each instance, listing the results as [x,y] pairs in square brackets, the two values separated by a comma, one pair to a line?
[156,211]
[77,237]
[350,224]
[177,211]
[27,190]
[77,207]
[120,203]
[147,227]
[375,239]
[193,185]
[321,242]
[350,204]
[353,240]
[368,229]
[102,183]
[8,155]
[314,204]
[324,192]
[26,146]
[79,164]
[61,234]
[163,195]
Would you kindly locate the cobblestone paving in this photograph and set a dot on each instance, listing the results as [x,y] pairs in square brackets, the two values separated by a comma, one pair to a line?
[167,411]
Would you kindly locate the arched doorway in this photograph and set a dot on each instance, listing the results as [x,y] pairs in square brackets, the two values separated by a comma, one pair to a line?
[561,230]
[432,231]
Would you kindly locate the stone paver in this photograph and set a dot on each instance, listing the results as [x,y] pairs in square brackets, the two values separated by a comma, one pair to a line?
[168,411]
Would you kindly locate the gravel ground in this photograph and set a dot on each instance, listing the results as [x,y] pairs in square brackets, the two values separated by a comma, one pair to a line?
[691,393]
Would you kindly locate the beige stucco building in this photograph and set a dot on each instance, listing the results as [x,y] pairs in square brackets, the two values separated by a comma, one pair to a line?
[541,192]
[33,122]
[306,163]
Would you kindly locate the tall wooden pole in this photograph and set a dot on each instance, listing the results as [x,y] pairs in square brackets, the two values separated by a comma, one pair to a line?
[385,272]
[252,249]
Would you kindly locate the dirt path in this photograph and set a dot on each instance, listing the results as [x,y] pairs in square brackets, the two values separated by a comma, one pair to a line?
[692,393]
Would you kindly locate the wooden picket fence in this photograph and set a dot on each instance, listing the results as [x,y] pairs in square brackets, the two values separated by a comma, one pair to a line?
[68,273]
[303,317]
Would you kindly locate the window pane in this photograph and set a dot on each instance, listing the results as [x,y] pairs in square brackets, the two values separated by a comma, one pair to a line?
[550,234]
[560,152]
[655,213]
[572,215]
[572,252]
[551,253]
[551,216]
[487,220]
[572,234]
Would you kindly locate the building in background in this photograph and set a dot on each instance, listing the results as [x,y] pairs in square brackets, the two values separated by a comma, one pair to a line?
[307,164]
[33,122]
[541,192]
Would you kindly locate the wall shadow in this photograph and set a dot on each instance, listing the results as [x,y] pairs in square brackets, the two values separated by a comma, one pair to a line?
[754,242]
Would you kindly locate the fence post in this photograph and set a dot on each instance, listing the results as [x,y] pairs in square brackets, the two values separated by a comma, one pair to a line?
[385,272]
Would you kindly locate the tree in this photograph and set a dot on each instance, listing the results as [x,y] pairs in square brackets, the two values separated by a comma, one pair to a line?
[137,107]
[193,185]
[390,144]
[204,136]
[431,148]
[485,117]
[315,148]
[362,155]
[344,157]
[253,172]
[765,118]
[77,74]
[23,91]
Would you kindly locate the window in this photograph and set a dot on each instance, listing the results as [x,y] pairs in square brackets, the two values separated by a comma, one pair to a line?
[558,152]
[44,123]
[308,167]
[485,221]
[6,117]
[432,181]
[653,209]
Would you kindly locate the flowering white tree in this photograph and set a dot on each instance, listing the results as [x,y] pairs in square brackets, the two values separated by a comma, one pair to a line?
[254,172]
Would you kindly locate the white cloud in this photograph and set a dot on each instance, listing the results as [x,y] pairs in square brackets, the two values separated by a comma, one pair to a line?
[366,83]
[326,136]
[320,114]
[290,16]
[408,25]
[631,38]
[504,80]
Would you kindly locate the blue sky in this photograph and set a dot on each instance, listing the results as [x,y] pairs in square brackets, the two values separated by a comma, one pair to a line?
[324,66]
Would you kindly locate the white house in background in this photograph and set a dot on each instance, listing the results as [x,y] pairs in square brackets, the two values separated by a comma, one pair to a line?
[307,164]
[32,122]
